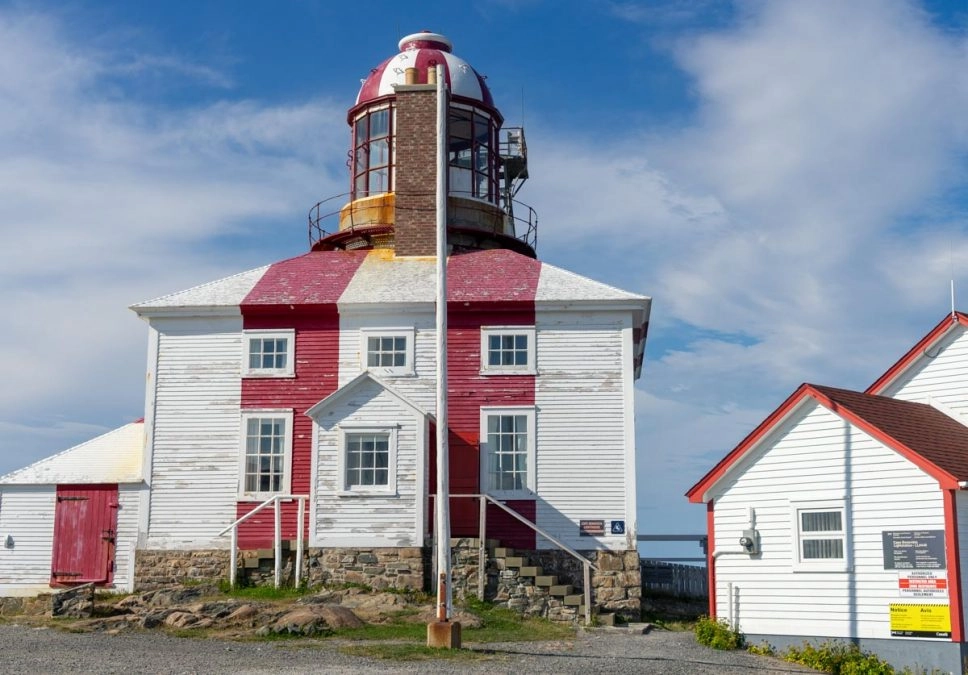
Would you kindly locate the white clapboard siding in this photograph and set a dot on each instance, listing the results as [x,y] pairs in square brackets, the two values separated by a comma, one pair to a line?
[195,444]
[129,502]
[581,424]
[961,506]
[940,375]
[369,520]
[819,456]
[27,516]
[419,387]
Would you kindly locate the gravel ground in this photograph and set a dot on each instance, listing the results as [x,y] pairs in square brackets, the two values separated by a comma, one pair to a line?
[44,650]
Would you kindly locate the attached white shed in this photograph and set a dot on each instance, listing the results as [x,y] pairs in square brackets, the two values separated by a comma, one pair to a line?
[74,517]
[844,515]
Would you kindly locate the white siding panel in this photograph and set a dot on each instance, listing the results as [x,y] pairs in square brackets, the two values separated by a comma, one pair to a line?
[581,424]
[195,440]
[27,516]
[819,456]
[941,374]
[129,504]
[961,509]
[418,388]
[372,520]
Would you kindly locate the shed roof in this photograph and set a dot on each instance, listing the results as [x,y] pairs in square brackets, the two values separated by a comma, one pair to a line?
[114,457]
[935,442]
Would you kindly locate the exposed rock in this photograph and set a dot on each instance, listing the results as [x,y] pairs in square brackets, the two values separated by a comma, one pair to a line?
[241,614]
[312,620]
[75,603]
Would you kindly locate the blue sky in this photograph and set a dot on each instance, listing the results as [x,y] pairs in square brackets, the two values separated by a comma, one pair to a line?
[787,179]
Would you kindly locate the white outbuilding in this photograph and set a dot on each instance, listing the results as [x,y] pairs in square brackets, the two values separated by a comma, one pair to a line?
[843,515]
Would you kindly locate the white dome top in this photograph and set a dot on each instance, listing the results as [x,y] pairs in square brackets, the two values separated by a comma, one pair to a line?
[421,51]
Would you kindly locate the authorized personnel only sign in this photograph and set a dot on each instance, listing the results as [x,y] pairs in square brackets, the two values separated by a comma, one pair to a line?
[917,620]
[923,583]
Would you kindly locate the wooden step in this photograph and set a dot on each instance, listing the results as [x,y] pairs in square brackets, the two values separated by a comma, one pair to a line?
[562,590]
[531,571]
[545,580]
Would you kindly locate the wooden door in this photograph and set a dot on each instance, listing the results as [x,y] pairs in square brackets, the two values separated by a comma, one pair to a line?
[85,529]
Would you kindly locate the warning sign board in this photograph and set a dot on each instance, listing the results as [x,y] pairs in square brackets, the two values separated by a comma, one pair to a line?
[915,620]
[923,583]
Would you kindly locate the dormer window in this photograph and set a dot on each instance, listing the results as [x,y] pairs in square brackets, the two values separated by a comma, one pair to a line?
[372,152]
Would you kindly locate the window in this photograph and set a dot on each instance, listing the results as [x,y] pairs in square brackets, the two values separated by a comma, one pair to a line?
[508,450]
[266,452]
[821,529]
[388,352]
[368,459]
[268,353]
[508,350]
[372,152]
[472,154]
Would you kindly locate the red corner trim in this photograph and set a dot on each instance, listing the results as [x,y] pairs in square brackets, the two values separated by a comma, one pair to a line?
[954,565]
[695,493]
[916,351]
[710,561]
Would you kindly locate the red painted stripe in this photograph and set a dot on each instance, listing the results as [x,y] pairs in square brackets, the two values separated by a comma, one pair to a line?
[953,555]
[475,282]
[300,293]
[371,87]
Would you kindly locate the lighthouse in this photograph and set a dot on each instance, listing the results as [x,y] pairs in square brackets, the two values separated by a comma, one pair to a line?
[293,410]
[392,162]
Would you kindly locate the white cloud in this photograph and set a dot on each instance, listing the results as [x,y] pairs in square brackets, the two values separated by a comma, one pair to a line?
[105,201]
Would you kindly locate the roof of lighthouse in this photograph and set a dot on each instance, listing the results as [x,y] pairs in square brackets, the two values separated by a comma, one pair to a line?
[421,51]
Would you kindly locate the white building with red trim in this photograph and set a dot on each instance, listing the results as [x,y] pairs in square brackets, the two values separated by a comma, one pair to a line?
[316,376]
[843,515]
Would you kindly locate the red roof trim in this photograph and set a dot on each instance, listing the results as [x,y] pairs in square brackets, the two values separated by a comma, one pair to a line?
[938,332]
[697,491]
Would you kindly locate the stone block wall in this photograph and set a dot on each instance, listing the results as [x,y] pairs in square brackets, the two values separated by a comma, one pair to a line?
[377,568]
[154,569]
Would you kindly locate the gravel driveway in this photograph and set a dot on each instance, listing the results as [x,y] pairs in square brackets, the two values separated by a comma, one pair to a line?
[26,649]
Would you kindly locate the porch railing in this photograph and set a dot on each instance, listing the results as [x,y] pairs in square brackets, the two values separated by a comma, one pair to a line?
[276,501]
[484,500]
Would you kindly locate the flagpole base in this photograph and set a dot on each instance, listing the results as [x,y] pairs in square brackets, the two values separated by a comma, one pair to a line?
[443,634]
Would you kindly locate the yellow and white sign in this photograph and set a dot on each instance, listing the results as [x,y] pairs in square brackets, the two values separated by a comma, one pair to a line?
[920,620]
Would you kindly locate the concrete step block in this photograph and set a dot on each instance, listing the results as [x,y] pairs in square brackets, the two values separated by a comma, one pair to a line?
[545,580]
[562,590]
[576,600]
[503,552]
[250,563]
[513,562]
[528,571]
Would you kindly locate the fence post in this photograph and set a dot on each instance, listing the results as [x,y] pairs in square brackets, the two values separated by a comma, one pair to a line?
[233,556]
[278,542]
[482,553]
[588,593]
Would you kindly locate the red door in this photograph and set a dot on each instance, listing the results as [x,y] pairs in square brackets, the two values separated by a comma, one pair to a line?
[85,524]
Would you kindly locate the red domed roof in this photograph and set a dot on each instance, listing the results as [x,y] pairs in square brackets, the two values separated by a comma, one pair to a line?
[421,51]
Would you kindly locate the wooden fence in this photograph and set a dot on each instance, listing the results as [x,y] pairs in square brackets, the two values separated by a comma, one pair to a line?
[681,581]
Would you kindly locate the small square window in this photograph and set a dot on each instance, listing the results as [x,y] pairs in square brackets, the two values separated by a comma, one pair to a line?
[821,536]
[508,350]
[388,352]
[268,353]
[367,461]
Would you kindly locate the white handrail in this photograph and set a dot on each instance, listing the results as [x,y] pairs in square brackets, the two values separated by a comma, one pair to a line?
[276,501]
[587,565]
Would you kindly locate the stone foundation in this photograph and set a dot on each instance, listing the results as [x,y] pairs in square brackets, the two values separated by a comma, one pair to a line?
[154,569]
[378,568]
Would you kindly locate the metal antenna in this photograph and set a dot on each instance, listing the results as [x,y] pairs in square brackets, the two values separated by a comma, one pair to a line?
[951,263]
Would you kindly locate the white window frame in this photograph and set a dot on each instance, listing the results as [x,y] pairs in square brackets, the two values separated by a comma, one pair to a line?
[390,488]
[801,564]
[285,414]
[275,334]
[388,371]
[494,331]
[531,481]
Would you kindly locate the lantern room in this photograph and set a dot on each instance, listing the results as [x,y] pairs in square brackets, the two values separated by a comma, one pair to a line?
[392,161]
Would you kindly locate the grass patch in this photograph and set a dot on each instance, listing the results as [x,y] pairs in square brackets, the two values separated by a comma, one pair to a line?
[396,629]
[664,622]
[499,624]
[400,651]
[265,592]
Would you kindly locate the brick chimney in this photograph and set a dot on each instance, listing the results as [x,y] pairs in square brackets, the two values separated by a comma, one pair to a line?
[415,170]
